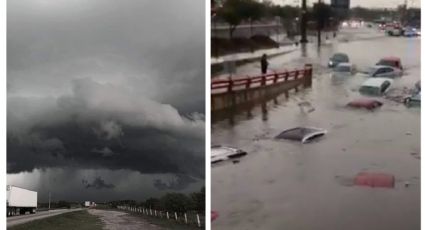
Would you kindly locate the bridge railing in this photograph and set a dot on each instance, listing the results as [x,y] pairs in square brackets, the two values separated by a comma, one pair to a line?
[248,82]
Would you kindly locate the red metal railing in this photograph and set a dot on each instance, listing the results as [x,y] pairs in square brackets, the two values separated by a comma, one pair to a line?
[235,84]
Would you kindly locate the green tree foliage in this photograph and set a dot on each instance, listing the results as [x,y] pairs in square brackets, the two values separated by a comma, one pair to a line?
[322,13]
[153,203]
[198,200]
[236,11]
[176,202]
[285,12]
[173,202]
[287,15]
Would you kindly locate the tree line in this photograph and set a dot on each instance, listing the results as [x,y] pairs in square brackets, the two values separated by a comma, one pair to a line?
[172,202]
[236,12]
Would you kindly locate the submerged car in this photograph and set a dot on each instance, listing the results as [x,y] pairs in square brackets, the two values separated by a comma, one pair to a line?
[375,86]
[344,68]
[418,86]
[365,103]
[374,180]
[338,58]
[410,32]
[302,134]
[385,71]
[391,61]
[413,100]
[221,153]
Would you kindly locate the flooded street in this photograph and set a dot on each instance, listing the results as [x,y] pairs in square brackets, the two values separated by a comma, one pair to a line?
[283,184]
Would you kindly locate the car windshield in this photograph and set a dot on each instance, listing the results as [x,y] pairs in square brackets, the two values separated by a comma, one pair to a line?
[370,90]
[340,57]
[373,70]
[342,69]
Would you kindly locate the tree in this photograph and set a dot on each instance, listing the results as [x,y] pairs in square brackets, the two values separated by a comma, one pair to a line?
[322,13]
[153,203]
[287,15]
[235,11]
[198,200]
[231,13]
[252,11]
[176,202]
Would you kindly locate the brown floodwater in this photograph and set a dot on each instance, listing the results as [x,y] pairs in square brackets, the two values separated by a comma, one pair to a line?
[283,184]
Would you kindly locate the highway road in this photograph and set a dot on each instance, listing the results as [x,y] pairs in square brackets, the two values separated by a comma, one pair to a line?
[16,220]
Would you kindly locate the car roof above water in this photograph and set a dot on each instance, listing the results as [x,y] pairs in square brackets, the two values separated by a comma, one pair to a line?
[391,58]
[376,82]
[345,64]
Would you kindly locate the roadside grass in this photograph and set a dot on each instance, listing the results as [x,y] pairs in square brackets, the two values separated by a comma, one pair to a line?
[80,220]
[167,224]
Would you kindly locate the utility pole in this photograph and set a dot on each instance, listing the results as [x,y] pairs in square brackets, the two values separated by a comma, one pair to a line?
[403,13]
[49,200]
[304,22]
[319,23]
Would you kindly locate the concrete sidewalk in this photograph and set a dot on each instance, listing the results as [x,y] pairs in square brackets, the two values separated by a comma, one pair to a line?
[252,56]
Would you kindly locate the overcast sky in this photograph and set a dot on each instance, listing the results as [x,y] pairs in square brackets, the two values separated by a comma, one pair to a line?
[105,97]
[363,3]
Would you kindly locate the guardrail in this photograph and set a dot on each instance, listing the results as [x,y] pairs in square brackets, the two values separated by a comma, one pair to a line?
[244,83]
[189,218]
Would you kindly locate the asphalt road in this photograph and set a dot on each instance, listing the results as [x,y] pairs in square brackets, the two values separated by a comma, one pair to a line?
[15,220]
[286,185]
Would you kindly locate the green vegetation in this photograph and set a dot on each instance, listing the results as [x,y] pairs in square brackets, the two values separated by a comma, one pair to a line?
[165,223]
[172,202]
[58,205]
[80,220]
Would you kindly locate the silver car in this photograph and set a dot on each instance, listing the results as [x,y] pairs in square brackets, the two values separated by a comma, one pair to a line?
[413,100]
[384,71]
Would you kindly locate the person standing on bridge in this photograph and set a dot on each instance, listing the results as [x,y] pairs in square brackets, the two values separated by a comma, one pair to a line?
[264,64]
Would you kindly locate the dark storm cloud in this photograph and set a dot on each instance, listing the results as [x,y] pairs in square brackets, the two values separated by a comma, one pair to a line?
[98,183]
[104,126]
[179,183]
[105,84]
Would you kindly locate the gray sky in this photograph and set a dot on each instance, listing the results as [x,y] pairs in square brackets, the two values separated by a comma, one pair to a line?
[363,3]
[106,97]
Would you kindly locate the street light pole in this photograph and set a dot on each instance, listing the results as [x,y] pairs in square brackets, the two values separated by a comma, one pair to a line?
[304,22]
[319,24]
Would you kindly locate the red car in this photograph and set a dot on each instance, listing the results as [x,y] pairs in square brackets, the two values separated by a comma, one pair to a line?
[391,61]
[365,103]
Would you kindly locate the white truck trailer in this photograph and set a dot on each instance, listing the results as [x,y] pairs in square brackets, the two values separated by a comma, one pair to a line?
[87,204]
[20,201]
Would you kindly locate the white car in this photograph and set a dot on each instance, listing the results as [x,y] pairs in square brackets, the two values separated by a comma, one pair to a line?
[223,153]
[385,71]
[375,86]
[302,134]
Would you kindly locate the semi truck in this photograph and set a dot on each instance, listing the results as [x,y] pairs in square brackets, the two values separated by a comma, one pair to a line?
[89,204]
[20,201]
